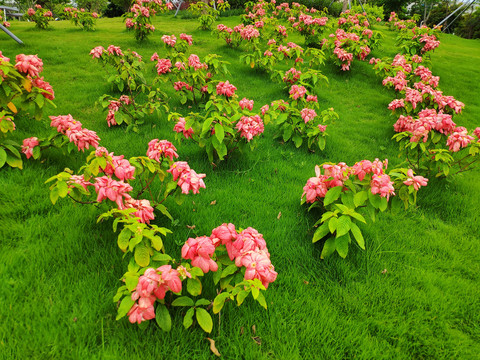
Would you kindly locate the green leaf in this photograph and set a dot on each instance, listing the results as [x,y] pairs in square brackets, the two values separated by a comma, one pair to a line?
[202,302]
[194,287]
[142,256]
[229,270]
[183,301]
[54,195]
[383,204]
[358,216]
[204,320]
[261,300]
[3,157]
[287,133]
[343,225]
[375,200]
[321,143]
[332,224]
[14,162]
[255,292]
[124,239]
[161,257]
[124,307]
[206,125]
[188,319]
[321,232]
[341,244]
[217,275]
[131,282]
[241,297]
[297,140]
[328,248]
[219,301]
[163,318]
[359,198]
[219,132]
[357,234]
[332,195]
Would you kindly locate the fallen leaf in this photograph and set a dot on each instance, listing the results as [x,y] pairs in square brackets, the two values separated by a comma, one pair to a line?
[213,202]
[279,215]
[213,348]
[254,329]
[384,271]
[191,227]
[242,330]
[257,340]
[193,210]
[305,282]
[75,319]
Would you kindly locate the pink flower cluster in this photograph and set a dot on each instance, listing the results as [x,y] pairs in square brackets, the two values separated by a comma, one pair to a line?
[28,146]
[225,88]
[116,165]
[187,178]
[82,138]
[308,114]
[180,128]
[335,175]
[153,285]
[292,76]
[169,40]
[248,248]
[249,32]
[116,191]
[245,103]
[161,149]
[250,126]
[297,91]
[29,64]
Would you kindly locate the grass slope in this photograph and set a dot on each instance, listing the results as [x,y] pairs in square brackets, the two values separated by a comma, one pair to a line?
[59,269]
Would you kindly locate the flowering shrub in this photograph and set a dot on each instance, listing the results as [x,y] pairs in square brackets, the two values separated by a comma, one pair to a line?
[139,18]
[228,124]
[298,120]
[189,76]
[418,40]
[240,263]
[350,37]
[40,16]
[206,14]
[395,23]
[347,193]
[86,20]
[240,259]
[429,139]
[310,27]
[21,87]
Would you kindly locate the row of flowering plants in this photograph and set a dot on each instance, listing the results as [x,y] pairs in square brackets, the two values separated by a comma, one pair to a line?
[298,121]
[154,282]
[40,16]
[189,76]
[21,88]
[349,195]
[139,17]
[79,17]
[226,125]
[350,37]
[418,40]
[429,139]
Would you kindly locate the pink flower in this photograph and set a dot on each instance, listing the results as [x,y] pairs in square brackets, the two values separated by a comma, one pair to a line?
[245,103]
[250,126]
[194,61]
[225,88]
[64,123]
[190,180]
[264,109]
[29,64]
[180,128]
[122,168]
[28,146]
[200,251]
[114,50]
[129,23]
[224,234]
[416,181]
[178,168]
[395,104]
[83,138]
[248,240]
[312,98]
[308,114]
[322,128]
[169,40]
[116,191]
[259,266]
[97,52]
[315,189]
[297,92]
[187,38]
[459,140]
[41,84]
[30,12]
[142,311]
[163,66]
[476,132]
[161,148]
[382,185]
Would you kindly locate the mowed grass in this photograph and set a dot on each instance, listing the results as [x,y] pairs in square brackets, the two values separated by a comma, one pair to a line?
[412,294]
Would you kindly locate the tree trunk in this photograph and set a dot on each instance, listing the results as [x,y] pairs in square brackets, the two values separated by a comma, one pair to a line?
[345,5]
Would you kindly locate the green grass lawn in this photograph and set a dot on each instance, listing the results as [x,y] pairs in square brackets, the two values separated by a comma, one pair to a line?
[59,270]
